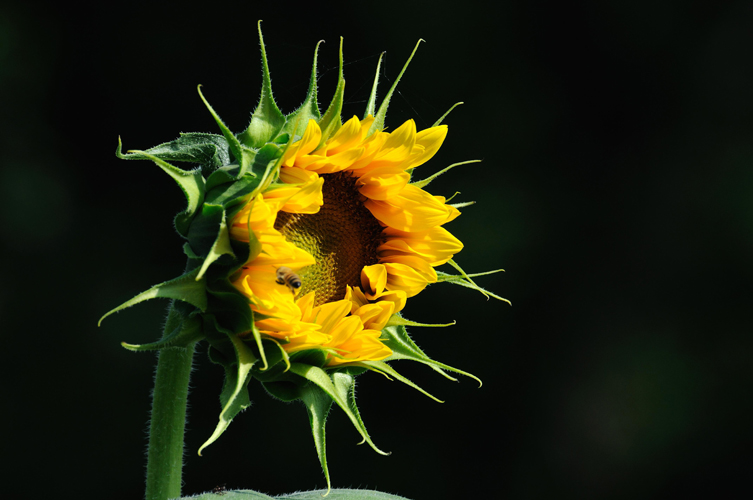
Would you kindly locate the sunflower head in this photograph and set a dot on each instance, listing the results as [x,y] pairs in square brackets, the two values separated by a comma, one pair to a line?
[305,235]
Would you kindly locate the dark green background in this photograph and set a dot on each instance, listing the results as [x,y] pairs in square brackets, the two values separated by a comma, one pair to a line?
[616,190]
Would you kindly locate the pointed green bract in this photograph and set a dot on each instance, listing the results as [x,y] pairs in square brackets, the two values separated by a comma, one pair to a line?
[382,113]
[184,288]
[220,247]
[234,396]
[242,154]
[318,404]
[381,366]
[403,347]
[337,388]
[398,320]
[441,118]
[466,281]
[267,120]
[332,120]
[425,182]
[371,103]
[309,110]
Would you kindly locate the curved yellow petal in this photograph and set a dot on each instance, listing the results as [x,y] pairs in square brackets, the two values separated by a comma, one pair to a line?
[436,246]
[430,140]
[413,210]
[373,279]
[310,140]
[382,183]
[409,274]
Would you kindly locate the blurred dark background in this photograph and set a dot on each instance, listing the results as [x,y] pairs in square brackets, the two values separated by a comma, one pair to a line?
[616,190]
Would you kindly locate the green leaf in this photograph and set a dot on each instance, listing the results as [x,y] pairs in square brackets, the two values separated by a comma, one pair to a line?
[337,388]
[184,288]
[267,120]
[425,182]
[208,150]
[382,112]
[318,404]
[337,494]
[190,182]
[189,331]
[332,121]
[341,494]
[371,103]
[298,120]
[403,347]
[234,395]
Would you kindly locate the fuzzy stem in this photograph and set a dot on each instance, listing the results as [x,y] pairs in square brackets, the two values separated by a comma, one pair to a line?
[165,456]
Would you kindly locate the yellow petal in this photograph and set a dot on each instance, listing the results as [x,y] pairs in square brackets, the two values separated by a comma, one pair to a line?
[350,135]
[430,139]
[413,210]
[363,346]
[436,245]
[373,279]
[310,140]
[382,183]
[302,197]
[375,316]
[410,274]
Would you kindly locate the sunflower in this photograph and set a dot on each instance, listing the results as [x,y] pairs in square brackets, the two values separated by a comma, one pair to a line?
[305,236]
[362,238]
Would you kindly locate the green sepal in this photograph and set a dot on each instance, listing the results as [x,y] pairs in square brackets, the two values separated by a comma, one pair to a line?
[387,370]
[191,182]
[396,320]
[189,331]
[403,347]
[371,103]
[220,247]
[268,160]
[318,403]
[267,120]
[184,288]
[234,397]
[208,150]
[332,120]
[242,154]
[425,182]
[204,229]
[382,112]
[462,205]
[298,120]
[338,388]
[465,280]
[441,118]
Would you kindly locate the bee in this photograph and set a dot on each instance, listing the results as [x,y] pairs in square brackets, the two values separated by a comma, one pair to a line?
[286,276]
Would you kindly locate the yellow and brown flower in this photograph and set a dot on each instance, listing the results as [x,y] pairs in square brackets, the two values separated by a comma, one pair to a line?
[344,216]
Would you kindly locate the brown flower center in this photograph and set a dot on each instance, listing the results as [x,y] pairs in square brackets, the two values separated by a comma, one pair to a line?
[343,238]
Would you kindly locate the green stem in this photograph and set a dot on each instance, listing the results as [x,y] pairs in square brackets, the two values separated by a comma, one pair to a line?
[165,455]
